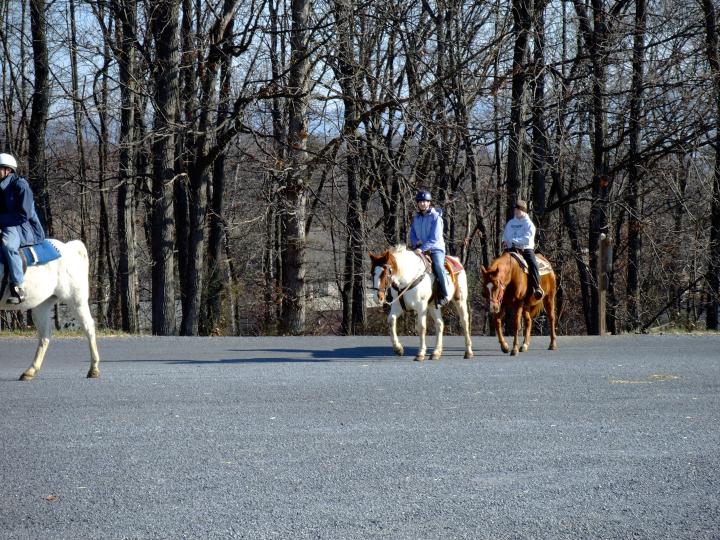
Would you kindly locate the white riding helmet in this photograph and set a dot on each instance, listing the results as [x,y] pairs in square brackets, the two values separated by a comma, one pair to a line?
[6,160]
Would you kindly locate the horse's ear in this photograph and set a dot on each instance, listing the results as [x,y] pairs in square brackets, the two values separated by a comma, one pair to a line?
[373,257]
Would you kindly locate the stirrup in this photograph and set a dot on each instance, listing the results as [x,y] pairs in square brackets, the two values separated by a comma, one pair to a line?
[17,295]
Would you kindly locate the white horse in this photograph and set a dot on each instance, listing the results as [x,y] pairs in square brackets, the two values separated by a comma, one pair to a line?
[64,280]
[405,273]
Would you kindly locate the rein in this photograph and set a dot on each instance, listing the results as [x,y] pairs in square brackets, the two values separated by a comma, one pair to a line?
[414,283]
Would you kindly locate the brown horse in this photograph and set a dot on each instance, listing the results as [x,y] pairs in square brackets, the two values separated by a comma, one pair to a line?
[505,287]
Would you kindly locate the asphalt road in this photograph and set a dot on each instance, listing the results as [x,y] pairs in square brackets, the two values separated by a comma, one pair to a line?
[329,437]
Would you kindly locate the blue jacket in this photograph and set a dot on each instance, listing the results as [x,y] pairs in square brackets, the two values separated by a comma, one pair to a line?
[17,209]
[426,231]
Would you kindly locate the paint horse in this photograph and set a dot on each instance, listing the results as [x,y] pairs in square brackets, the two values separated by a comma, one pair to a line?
[405,281]
[505,287]
[65,279]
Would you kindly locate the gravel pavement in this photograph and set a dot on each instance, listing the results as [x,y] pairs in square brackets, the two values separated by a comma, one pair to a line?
[334,437]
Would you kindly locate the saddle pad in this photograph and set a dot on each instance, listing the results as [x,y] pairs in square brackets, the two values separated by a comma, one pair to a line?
[39,253]
[543,264]
[453,264]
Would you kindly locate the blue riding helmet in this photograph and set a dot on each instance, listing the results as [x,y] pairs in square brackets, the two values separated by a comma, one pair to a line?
[423,196]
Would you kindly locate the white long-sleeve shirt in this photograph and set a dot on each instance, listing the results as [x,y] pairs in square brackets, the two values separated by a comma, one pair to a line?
[520,233]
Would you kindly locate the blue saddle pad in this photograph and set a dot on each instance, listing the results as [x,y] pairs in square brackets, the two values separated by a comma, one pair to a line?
[40,253]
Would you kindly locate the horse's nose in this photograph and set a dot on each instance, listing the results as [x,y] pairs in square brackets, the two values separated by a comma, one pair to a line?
[381,296]
[494,308]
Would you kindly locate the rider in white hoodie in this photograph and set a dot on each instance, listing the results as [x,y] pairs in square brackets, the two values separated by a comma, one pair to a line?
[520,234]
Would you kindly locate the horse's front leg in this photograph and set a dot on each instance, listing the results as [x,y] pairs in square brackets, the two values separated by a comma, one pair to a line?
[41,318]
[497,321]
[439,330]
[516,331]
[392,320]
[421,328]
[528,331]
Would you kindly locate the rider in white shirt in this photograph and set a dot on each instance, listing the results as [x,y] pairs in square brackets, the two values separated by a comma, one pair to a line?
[520,234]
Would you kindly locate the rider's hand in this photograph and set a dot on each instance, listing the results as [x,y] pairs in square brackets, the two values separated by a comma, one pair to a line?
[418,251]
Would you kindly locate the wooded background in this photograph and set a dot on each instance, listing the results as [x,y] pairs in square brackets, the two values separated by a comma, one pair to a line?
[231,163]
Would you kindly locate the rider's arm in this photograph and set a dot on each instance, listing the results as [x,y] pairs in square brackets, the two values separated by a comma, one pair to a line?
[413,236]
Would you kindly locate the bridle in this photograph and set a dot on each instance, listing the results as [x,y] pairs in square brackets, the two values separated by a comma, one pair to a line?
[385,276]
[499,300]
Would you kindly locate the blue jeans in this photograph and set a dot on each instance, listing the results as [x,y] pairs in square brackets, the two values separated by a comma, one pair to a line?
[438,263]
[10,247]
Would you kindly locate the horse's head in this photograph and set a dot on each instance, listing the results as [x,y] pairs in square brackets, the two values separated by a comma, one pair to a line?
[383,268]
[493,287]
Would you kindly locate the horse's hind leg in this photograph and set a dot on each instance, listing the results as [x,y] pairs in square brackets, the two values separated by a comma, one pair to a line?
[549,302]
[41,319]
[462,310]
[82,310]
[421,328]
[439,330]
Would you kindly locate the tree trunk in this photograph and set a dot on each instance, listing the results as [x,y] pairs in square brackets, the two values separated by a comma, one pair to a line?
[522,21]
[633,202]
[539,133]
[165,30]
[38,117]
[713,271]
[354,312]
[216,221]
[127,270]
[595,38]
[294,196]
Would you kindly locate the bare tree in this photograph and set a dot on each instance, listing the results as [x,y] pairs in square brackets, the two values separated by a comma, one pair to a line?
[165,22]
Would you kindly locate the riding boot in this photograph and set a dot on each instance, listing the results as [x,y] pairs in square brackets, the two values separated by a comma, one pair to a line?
[17,295]
[534,274]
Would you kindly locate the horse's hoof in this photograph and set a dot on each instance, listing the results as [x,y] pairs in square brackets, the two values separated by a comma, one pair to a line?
[468,354]
[513,352]
[435,356]
[524,348]
[552,347]
[26,377]
[94,373]
[420,358]
[505,348]
[399,351]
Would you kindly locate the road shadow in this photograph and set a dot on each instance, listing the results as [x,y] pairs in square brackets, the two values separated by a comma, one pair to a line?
[288,355]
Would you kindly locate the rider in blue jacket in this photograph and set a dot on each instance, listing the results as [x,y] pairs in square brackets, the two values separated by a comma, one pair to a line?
[426,235]
[19,223]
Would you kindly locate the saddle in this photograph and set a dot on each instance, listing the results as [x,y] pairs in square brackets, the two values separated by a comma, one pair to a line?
[543,264]
[35,255]
[453,267]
